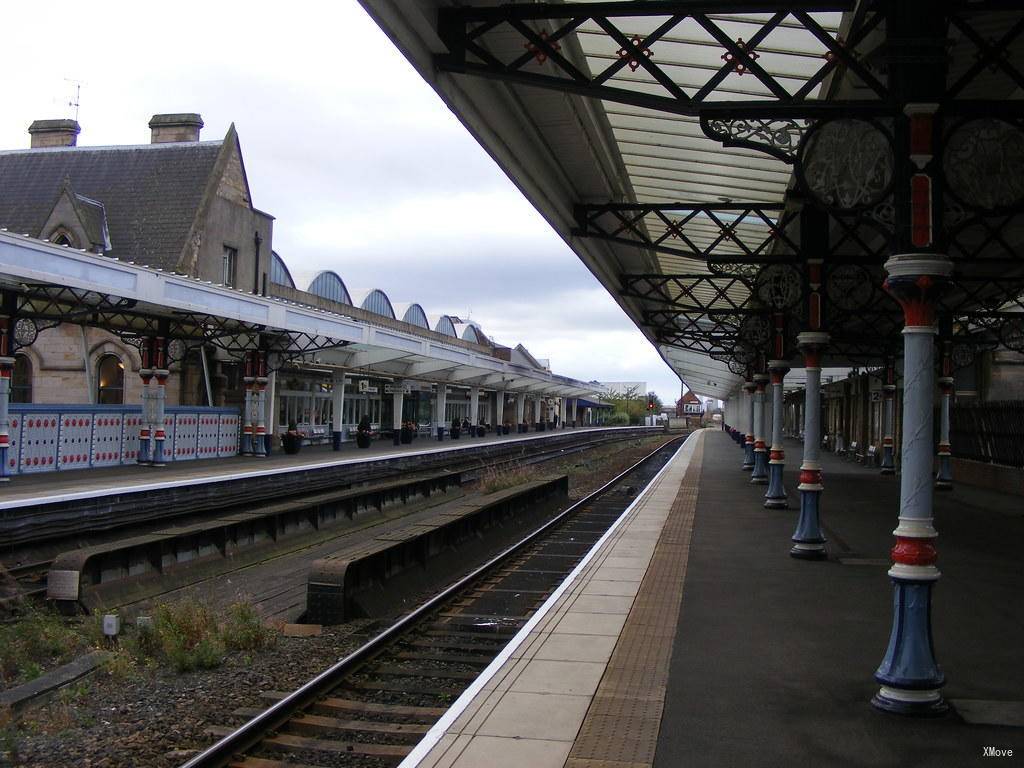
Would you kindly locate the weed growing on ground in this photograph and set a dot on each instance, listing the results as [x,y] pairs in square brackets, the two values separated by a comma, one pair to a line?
[243,630]
[39,639]
[187,635]
[494,479]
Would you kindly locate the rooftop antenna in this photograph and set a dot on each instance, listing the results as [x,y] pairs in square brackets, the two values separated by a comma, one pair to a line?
[77,85]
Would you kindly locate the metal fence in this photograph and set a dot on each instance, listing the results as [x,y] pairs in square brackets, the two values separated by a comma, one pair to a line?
[989,432]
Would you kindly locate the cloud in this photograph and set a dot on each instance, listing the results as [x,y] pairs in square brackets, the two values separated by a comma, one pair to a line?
[365,169]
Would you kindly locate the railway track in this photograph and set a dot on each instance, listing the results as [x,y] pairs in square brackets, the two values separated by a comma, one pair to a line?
[372,707]
[30,567]
[31,577]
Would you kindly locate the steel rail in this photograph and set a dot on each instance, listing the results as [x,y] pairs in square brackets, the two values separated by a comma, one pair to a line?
[251,733]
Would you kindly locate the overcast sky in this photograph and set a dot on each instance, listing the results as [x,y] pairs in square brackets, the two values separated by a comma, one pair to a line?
[363,166]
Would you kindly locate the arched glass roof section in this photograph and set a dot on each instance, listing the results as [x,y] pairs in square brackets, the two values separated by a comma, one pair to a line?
[446,326]
[473,333]
[328,285]
[416,316]
[279,271]
[377,301]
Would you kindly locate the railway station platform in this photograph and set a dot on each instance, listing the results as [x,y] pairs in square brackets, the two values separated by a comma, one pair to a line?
[691,638]
[79,484]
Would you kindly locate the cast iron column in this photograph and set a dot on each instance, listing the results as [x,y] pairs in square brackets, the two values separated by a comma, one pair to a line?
[759,476]
[748,411]
[808,541]
[337,409]
[889,418]
[442,402]
[775,498]
[944,478]
[6,371]
[520,411]
[397,404]
[146,374]
[909,676]
[159,396]
[248,380]
[474,410]
[259,446]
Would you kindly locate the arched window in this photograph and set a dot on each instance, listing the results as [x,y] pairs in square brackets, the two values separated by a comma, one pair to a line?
[62,237]
[110,381]
[21,380]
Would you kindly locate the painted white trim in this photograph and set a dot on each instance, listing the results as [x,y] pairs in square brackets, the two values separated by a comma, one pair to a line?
[433,736]
[912,697]
[914,572]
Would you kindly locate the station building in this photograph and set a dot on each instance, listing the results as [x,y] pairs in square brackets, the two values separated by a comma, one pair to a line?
[181,206]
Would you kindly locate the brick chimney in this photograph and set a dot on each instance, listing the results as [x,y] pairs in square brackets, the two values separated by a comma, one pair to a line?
[54,133]
[184,126]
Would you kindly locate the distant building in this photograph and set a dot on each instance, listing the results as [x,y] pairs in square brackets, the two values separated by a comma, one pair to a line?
[689,405]
[622,388]
[178,204]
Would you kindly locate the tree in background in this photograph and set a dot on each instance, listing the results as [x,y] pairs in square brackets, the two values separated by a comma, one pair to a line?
[627,405]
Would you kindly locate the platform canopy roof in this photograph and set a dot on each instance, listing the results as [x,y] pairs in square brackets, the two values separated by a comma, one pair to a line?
[43,285]
[737,172]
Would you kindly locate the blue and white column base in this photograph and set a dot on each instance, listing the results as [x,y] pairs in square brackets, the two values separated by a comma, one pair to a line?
[775,497]
[808,541]
[748,456]
[888,461]
[909,676]
[759,475]
[944,478]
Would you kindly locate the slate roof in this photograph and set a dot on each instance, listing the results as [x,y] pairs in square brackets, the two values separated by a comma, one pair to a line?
[150,192]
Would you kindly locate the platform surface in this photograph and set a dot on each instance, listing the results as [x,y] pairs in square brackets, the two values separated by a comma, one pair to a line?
[46,487]
[770,660]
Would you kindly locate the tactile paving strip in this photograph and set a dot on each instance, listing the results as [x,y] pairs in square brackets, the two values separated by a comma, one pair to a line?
[621,727]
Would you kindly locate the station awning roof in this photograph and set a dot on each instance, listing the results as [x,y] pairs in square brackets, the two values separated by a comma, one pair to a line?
[52,284]
[659,139]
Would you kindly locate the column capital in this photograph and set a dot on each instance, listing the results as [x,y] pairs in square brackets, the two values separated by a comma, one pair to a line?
[916,281]
[749,386]
[778,368]
[812,339]
[812,343]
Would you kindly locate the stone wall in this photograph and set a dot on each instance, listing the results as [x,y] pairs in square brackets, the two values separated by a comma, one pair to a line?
[59,372]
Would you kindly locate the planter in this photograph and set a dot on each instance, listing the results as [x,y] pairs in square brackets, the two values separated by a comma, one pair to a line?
[504,429]
[291,442]
[456,433]
[406,436]
[363,439]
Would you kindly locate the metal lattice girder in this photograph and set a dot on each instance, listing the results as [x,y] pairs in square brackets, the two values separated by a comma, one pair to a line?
[726,234]
[52,305]
[639,38]
[737,232]
[691,291]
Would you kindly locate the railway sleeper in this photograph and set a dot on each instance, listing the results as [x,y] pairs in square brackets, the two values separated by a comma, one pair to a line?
[289,743]
[314,724]
[371,708]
